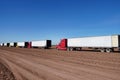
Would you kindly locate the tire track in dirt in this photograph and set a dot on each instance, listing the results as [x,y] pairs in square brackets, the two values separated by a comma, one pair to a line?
[47,68]
[60,64]
[23,68]
[69,77]
[98,63]
[85,61]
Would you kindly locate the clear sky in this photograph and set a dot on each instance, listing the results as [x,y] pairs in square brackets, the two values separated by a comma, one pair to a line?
[26,20]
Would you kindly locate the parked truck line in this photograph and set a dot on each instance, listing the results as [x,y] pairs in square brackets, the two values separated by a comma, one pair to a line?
[102,43]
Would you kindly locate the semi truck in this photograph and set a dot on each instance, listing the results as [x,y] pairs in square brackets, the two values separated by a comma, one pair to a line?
[23,44]
[101,43]
[41,44]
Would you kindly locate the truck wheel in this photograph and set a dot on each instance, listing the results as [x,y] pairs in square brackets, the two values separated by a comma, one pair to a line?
[68,49]
[71,49]
[109,50]
[78,49]
[102,50]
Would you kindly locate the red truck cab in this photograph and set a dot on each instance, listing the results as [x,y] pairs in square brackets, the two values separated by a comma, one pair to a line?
[27,45]
[62,45]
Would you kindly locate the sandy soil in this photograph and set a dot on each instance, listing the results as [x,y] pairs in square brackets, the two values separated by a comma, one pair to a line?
[51,64]
[5,74]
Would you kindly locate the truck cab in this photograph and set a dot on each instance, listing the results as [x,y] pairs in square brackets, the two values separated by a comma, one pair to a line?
[62,45]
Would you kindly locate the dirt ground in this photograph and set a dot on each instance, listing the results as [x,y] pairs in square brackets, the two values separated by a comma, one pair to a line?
[51,64]
[5,74]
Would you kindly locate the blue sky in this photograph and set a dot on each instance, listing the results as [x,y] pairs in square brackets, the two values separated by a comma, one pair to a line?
[26,20]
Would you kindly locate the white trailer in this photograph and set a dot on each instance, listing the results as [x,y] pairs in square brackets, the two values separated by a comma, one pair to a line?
[42,44]
[5,44]
[20,44]
[11,44]
[1,44]
[104,43]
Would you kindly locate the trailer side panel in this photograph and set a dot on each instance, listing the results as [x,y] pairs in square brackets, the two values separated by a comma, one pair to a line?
[101,41]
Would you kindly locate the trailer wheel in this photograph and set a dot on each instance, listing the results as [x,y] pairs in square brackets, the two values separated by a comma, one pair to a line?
[102,50]
[78,49]
[109,50]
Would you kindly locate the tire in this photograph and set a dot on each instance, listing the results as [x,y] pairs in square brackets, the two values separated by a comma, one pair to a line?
[109,50]
[78,49]
[102,50]
[71,49]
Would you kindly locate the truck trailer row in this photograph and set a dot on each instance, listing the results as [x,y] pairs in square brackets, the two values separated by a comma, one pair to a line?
[101,43]
[40,44]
